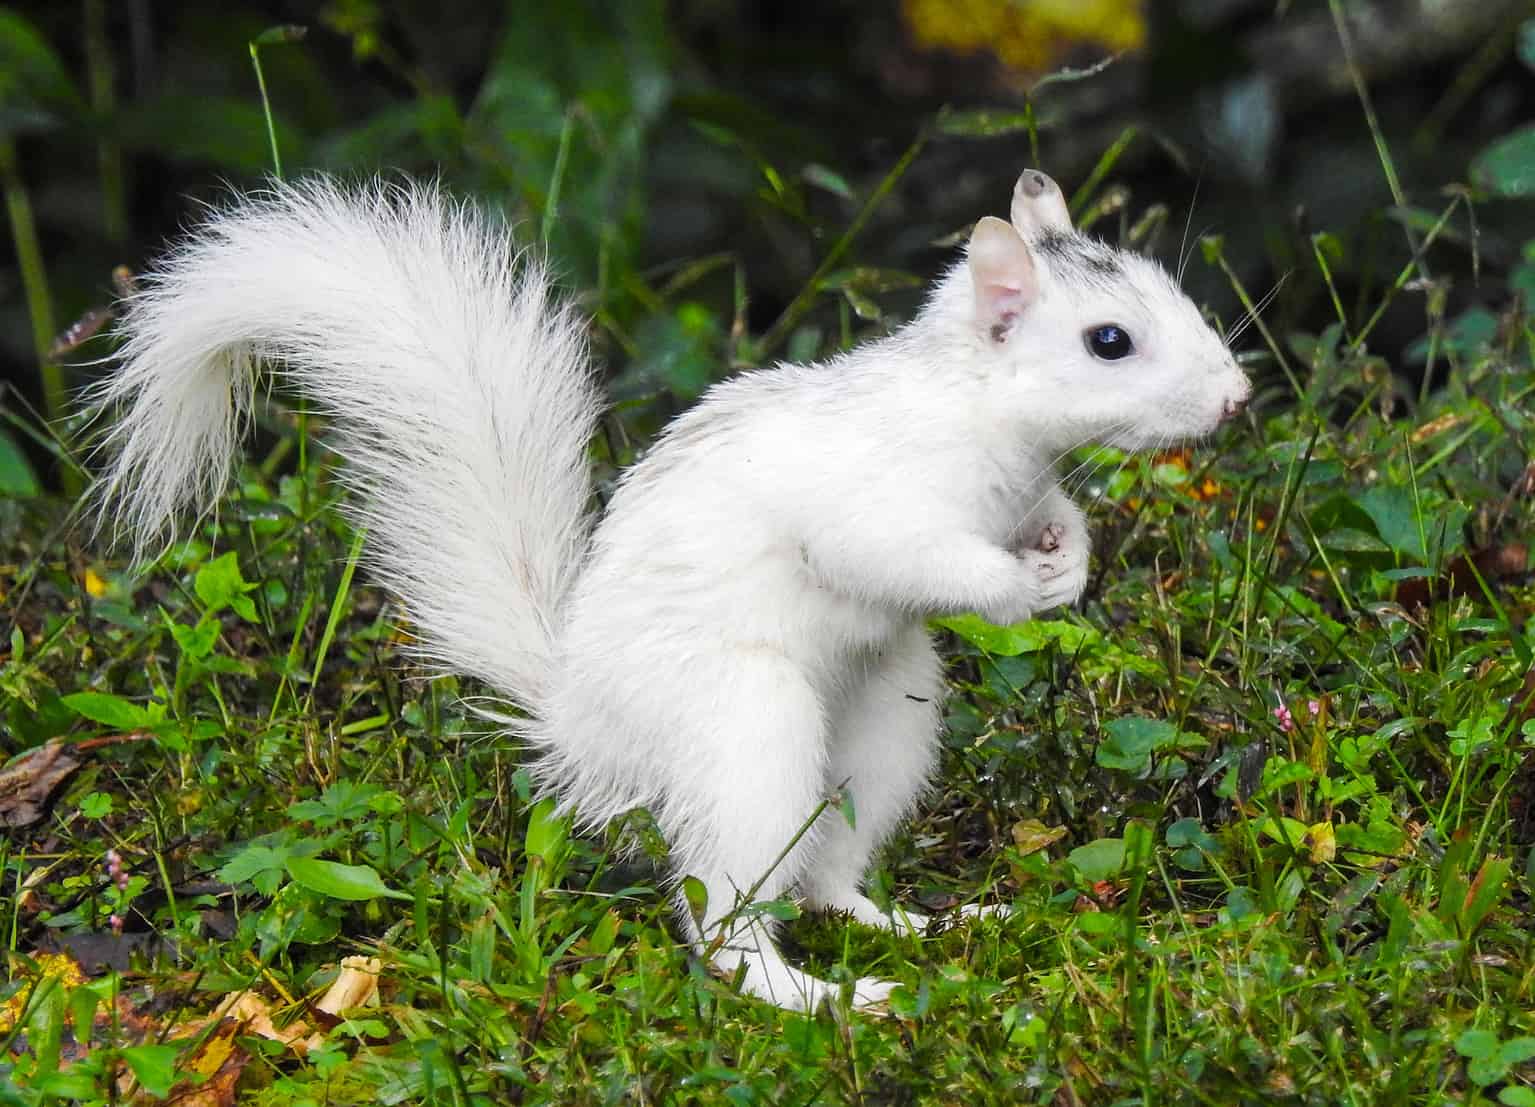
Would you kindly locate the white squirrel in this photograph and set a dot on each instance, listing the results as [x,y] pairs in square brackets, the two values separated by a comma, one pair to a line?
[741,632]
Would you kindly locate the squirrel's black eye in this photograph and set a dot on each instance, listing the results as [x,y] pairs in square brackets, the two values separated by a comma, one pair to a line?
[1109,342]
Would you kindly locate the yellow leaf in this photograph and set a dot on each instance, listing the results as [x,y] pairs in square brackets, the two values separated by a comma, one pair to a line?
[1324,847]
[1031,835]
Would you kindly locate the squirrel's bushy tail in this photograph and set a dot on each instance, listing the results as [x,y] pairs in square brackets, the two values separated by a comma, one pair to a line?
[457,391]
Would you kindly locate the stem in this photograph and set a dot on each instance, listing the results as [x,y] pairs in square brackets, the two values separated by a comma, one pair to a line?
[34,280]
[266,107]
[109,155]
[802,302]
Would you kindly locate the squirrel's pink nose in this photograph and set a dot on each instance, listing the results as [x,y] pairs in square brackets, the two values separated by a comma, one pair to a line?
[1233,408]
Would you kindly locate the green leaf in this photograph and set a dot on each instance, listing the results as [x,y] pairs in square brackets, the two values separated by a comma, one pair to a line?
[604,934]
[1031,835]
[109,710]
[16,477]
[1395,516]
[1353,540]
[154,1065]
[1516,1095]
[547,832]
[1486,1070]
[848,811]
[1019,638]
[219,585]
[1129,743]
[195,642]
[1507,167]
[30,70]
[338,881]
[1485,893]
[263,866]
[1516,1051]
[983,123]
[827,179]
[697,897]
[1476,1043]
[282,33]
[1190,832]
[1099,859]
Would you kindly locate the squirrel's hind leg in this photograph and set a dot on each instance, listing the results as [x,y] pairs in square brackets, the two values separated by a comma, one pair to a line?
[884,743]
[754,777]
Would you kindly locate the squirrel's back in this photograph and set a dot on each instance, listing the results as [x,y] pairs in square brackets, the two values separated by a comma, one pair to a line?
[457,390]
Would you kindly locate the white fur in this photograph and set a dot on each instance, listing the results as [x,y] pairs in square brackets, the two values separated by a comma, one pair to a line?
[742,633]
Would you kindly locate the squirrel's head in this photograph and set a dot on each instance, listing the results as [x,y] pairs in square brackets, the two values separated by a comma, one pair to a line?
[1093,343]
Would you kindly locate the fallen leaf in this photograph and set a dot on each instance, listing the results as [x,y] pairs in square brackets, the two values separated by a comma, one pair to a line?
[27,782]
[1031,835]
[220,1061]
[357,986]
[254,1015]
[1435,426]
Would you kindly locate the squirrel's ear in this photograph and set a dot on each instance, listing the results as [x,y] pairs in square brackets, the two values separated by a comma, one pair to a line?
[1003,273]
[1038,205]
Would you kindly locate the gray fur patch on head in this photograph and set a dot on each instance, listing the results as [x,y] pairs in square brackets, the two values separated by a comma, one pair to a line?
[1077,259]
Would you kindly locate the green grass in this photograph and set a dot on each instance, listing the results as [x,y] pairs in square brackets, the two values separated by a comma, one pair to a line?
[1267,824]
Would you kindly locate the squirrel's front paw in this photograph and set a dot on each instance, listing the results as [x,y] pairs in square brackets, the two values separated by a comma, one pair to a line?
[1061,575]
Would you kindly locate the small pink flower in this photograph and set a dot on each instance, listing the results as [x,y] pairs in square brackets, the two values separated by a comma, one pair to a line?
[117,924]
[1315,707]
[1286,721]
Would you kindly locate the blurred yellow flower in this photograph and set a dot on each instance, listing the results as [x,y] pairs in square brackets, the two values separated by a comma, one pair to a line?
[1026,35]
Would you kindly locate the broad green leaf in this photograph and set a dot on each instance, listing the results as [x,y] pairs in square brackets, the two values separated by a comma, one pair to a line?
[1129,743]
[263,866]
[197,641]
[219,585]
[1395,516]
[1189,832]
[1486,1070]
[1291,832]
[338,881]
[30,70]
[16,477]
[1020,637]
[1099,859]
[154,1065]
[109,710]
[1507,167]
[1476,1043]
[1516,1051]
